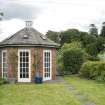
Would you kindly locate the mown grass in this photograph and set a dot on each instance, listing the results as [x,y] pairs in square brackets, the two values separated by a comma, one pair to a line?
[31,94]
[94,91]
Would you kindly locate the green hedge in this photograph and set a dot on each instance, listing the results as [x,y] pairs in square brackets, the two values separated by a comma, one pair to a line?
[73,59]
[93,70]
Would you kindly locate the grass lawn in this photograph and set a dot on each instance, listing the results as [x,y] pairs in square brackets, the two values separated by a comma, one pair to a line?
[95,91]
[31,94]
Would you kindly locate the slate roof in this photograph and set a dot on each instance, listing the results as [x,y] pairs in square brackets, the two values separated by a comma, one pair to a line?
[28,37]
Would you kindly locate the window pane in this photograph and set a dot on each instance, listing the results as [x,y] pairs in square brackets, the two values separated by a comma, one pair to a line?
[23,75]
[24,70]
[23,53]
[27,54]
[20,64]
[27,76]
[27,59]
[20,75]
[23,59]
[20,59]
[20,53]
[27,65]
[23,64]
[20,69]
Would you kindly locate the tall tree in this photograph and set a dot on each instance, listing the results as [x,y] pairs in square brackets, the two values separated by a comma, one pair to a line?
[93,30]
[1,14]
[53,35]
[103,30]
[70,35]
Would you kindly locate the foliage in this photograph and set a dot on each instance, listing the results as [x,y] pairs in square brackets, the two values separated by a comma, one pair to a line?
[103,30]
[62,50]
[92,49]
[52,35]
[91,58]
[101,56]
[93,70]
[95,47]
[73,59]
[100,42]
[3,81]
[87,39]
[90,43]
[93,30]
[1,14]
[69,36]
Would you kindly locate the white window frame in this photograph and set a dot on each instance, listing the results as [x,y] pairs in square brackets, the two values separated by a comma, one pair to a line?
[47,78]
[24,79]
[4,51]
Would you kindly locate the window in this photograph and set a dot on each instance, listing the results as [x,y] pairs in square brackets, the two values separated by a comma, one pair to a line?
[4,64]
[47,64]
[24,64]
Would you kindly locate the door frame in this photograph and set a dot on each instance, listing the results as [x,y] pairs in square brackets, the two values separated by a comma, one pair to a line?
[44,78]
[24,79]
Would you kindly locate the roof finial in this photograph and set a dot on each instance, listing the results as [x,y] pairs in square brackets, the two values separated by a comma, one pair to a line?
[29,24]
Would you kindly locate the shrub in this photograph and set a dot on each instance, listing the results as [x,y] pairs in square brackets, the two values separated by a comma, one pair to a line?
[101,56]
[93,70]
[73,59]
[92,49]
[73,45]
[91,58]
[3,81]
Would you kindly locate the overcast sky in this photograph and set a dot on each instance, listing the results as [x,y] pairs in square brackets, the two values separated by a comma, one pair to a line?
[56,15]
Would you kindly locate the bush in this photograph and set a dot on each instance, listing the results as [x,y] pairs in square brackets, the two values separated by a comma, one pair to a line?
[93,70]
[92,49]
[91,58]
[3,81]
[73,59]
[73,45]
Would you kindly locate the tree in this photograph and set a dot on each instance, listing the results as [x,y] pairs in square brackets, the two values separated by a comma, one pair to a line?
[1,14]
[87,39]
[70,35]
[53,36]
[73,58]
[93,30]
[72,52]
[103,30]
